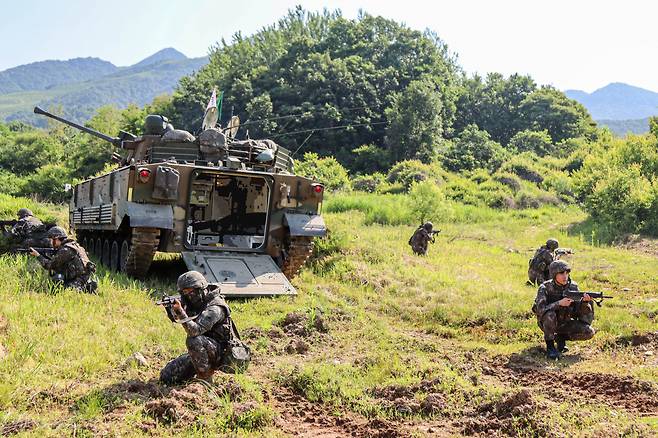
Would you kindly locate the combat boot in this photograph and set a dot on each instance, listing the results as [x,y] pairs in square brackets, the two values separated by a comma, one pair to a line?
[207,376]
[561,344]
[551,351]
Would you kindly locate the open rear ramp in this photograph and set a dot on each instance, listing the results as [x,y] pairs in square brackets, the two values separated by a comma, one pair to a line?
[241,275]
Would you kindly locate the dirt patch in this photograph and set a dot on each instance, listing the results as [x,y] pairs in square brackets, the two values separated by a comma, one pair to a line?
[137,390]
[4,325]
[299,417]
[638,243]
[507,415]
[624,392]
[297,346]
[184,404]
[644,340]
[18,426]
[407,400]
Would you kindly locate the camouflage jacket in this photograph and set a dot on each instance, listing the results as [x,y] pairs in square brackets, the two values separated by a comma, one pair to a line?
[70,260]
[212,316]
[549,294]
[542,259]
[27,226]
[420,237]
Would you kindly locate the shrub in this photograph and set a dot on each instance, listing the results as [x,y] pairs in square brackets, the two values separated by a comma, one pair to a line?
[48,183]
[368,183]
[509,179]
[428,202]
[369,158]
[411,171]
[524,166]
[326,170]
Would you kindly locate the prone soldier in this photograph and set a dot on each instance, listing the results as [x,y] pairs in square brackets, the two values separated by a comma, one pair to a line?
[205,316]
[560,317]
[69,263]
[28,230]
[421,237]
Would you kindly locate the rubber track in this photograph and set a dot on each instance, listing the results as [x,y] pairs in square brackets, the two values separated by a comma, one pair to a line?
[143,244]
[298,251]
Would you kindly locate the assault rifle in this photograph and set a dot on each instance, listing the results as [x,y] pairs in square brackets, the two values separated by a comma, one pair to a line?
[168,301]
[46,252]
[563,251]
[577,296]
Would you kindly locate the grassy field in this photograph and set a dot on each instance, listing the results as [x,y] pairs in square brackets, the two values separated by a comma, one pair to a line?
[378,342]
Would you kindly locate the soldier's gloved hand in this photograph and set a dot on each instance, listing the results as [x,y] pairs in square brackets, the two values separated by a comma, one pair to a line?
[33,252]
[565,302]
[178,310]
[586,297]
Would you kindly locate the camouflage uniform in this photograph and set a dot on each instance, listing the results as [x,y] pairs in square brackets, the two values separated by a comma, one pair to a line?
[71,264]
[571,323]
[420,239]
[29,231]
[207,335]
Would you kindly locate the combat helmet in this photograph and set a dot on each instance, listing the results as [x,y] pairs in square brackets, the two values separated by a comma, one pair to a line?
[428,226]
[552,244]
[57,233]
[191,279]
[24,212]
[558,266]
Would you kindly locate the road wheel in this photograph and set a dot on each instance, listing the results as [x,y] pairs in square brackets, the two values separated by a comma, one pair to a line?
[90,248]
[98,249]
[123,255]
[114,255]
[106,252]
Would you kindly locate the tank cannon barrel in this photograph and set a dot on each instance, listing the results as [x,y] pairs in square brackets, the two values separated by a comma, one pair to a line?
[116,141]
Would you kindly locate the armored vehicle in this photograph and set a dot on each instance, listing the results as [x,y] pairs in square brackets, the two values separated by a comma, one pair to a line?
[232,208]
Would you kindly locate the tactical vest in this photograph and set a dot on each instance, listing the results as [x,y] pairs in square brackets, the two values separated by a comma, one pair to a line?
[85,265]
[537,261]
[221,330]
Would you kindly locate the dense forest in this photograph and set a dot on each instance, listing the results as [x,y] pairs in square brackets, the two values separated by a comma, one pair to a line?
[372,105]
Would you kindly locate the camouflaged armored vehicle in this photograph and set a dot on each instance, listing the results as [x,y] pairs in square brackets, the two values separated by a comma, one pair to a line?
[232,208]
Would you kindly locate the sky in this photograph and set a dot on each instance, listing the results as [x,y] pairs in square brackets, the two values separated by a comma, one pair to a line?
[575,44]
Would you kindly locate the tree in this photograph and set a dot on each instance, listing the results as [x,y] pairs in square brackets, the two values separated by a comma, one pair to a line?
[532,141]
[550,110]
[415,122]
[474,149]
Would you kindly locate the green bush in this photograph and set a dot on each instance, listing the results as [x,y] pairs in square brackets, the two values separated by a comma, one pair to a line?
[525,167]
[428,203]
[369,183]
[48,183]
[412,171]
[369,158]
[326,170]
[509,179]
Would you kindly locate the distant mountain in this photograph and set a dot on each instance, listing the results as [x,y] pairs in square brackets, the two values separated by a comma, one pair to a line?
[47,74]
[618,101]
[168,54]
[623,127]
[80,89]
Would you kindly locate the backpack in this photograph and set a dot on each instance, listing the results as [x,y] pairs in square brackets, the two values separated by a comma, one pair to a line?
[237,354]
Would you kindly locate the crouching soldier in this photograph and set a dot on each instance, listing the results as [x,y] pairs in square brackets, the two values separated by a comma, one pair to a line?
[539,263]
[211,334]
[69,263]
[421,238]
[560,318]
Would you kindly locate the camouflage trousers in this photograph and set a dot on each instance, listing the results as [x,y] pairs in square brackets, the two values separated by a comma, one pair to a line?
[537,276]
[83,283]
[203,356]
[419,248]
[573,327]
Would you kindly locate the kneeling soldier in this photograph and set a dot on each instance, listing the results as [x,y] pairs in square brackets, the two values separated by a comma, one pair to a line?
[69,264]
[205,316]
[560,318]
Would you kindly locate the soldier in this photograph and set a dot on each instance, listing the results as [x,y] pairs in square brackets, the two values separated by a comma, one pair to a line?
[539,263]
[560,318]
[69,264]
[205,316]
[28,230]
[421,237]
